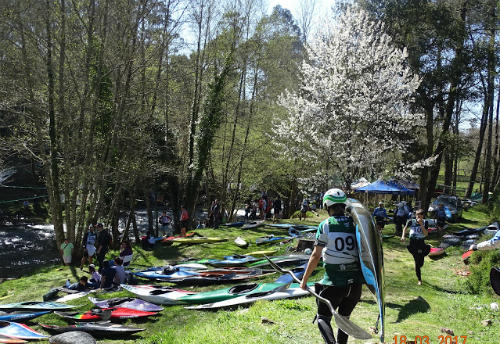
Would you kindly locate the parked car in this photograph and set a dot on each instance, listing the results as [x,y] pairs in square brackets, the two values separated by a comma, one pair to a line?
[453,203]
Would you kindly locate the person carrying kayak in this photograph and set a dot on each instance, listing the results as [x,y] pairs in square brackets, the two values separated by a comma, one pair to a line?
[342,281]
[418,248]
[380,214]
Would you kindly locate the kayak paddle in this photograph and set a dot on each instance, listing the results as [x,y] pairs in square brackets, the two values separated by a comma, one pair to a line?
[343,323]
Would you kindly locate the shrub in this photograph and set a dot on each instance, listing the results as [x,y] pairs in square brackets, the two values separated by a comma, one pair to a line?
[481,263]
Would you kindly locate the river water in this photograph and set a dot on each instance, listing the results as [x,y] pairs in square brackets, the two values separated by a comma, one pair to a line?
[24,248]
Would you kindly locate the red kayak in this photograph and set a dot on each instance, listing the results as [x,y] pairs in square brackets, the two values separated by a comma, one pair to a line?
[106,314]
[436,251]
[168,240]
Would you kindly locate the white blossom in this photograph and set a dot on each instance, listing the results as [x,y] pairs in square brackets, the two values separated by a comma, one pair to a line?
[353,108]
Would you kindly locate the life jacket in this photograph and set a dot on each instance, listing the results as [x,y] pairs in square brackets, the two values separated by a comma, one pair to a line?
[415,230]
[91,239]
[338,236]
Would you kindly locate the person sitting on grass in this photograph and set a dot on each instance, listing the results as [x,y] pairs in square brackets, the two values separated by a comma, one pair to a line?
[126,252]
[107,275]
[82,284]
[95,277]
[120,275]
[490,244]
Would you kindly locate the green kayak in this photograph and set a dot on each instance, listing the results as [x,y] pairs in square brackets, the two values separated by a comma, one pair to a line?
[229,293]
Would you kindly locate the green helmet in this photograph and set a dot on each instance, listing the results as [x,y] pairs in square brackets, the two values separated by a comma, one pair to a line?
[334,196]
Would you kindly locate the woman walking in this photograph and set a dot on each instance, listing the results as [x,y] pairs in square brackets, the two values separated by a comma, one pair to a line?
[417,247]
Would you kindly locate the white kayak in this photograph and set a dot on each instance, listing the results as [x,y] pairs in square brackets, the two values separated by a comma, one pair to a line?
[159,295]
[291,292]
[74,296]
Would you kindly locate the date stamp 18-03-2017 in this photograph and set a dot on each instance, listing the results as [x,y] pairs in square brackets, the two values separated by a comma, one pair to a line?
[401,339]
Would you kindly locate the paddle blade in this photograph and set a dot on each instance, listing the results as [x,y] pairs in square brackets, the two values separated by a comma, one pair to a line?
[342,322]
[467,254]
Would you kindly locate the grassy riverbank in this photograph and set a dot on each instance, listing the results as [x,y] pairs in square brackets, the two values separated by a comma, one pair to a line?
[441,302]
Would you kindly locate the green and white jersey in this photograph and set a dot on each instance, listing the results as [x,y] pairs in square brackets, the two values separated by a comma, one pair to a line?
[337,236]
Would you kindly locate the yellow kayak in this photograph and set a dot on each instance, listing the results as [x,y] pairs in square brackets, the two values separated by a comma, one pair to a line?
[261,253]
[198,240]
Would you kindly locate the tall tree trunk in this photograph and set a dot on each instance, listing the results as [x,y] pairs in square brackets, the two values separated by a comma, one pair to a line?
[456,73]
[243,150]
[490,90]
[53,177]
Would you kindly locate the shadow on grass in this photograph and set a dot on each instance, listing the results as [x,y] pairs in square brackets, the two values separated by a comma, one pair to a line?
[418,305]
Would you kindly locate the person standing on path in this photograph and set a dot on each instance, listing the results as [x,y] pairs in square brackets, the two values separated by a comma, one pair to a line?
[67,251]
[103,242]
[417,247]
[277,209]
[89,240]
[165,220]
[343,280]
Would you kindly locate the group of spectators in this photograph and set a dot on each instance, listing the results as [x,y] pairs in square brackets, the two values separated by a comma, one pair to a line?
[266,207]
[96,243]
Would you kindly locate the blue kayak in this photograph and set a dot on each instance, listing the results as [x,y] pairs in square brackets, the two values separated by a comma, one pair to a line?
[20,331]
[21,316]
[234,224]
[270,239]
[235,260]
[280,225]
[165,275]
[298,271]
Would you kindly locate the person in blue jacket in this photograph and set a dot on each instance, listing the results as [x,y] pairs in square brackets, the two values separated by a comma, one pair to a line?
[380,214]
[440,217]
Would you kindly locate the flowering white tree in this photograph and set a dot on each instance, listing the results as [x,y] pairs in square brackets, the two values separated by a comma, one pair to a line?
[352,113]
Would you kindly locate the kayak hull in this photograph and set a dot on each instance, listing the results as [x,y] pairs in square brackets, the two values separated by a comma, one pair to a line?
[292,292]
[126,302]
[370,256]
[157,295]
[20,331]
[36,305]
[229,293]
[99,330]
[21,316]
[117,313]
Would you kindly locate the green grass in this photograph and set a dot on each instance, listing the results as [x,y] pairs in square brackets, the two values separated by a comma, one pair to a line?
[441,302]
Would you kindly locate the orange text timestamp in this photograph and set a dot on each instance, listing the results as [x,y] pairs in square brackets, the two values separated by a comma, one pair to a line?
[430,340]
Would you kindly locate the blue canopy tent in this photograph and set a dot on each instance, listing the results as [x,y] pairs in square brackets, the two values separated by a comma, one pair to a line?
[403,188]
[381,187]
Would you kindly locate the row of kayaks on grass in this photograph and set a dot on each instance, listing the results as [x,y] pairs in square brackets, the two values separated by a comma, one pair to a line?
[203,277]
[11,332]
[98,314]
[243,294]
